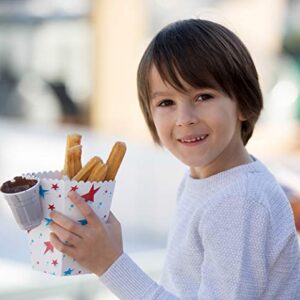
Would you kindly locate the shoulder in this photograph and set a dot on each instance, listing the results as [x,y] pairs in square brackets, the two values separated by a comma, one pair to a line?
[254,198]
[257,185]
[237,209]
[262,187]
[234,221]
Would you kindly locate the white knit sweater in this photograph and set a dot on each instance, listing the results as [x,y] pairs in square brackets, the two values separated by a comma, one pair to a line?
[233,238]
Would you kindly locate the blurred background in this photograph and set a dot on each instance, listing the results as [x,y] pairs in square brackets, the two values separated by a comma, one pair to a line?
[70,66]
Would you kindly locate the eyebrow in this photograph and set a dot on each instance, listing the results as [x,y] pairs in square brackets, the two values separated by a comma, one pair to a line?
[156,94]
[166,94]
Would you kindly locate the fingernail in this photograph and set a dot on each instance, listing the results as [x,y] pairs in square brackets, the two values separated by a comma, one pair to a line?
[52,214]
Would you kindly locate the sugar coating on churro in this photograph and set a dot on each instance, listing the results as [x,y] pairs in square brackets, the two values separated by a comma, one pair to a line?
[84,173]
[114,160]
[98,173]
[72,140]
[94,169]
[74,160]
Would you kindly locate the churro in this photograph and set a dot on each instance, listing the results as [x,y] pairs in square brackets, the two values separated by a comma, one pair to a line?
[94,169]
[74,160]
[99,172]
[114,160]
[72,140]
[84,173]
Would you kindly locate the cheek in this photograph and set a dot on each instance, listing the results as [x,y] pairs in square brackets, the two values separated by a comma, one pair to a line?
[160,122]
[225,124]
[164,129]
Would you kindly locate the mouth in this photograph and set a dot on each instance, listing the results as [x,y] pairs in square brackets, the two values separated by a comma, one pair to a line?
[190,140]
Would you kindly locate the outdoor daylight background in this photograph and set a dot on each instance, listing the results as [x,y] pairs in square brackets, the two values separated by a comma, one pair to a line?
[70,66]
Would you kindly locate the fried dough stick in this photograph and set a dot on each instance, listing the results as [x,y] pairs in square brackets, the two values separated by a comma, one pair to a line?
[72,140]
[114,160]
[86,170]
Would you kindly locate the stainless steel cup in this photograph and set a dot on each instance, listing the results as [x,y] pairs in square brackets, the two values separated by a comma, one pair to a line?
[26,206]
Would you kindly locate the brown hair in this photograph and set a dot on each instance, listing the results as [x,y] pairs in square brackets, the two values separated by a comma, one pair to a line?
[203,54]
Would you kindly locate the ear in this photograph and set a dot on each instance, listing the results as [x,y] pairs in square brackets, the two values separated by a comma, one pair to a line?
[241,117]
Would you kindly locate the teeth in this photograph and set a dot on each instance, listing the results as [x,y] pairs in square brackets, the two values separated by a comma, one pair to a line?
[200,138]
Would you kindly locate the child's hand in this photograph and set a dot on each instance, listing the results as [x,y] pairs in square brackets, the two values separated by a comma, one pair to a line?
[95,245]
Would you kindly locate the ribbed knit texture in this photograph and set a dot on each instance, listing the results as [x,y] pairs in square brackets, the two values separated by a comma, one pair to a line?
[233,238]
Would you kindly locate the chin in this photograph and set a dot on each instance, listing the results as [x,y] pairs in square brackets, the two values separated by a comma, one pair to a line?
[193,163]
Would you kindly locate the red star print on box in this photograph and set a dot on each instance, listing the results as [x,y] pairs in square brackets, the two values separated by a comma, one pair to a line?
[51,206]
[54,262]
[90,195]
[54,186]
[48,247]
[74,188]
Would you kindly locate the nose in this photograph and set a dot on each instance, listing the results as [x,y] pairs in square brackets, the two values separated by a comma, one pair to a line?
[186,115]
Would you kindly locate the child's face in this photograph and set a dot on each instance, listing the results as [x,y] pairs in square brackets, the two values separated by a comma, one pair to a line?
[200,127]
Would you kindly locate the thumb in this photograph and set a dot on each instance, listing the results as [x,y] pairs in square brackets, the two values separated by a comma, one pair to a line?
[112,219]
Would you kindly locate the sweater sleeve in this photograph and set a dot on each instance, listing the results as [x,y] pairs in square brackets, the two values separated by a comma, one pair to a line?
[234,235]
[127,281]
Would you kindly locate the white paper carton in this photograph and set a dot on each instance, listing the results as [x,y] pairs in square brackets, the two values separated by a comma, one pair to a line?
[54,189]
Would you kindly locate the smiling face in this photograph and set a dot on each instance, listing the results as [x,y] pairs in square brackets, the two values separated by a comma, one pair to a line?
[201,126]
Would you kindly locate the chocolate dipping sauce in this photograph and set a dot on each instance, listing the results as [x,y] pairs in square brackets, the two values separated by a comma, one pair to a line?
[18,184]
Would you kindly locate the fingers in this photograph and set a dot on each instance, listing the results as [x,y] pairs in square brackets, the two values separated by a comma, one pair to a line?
[86,210]
[112,219]
[56,242]
[65,236]
[66,223]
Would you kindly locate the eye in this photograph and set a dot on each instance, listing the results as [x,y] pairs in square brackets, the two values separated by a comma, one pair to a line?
[166,102]
[204,97]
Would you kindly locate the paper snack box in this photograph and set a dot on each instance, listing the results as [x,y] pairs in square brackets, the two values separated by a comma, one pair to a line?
[53,191]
